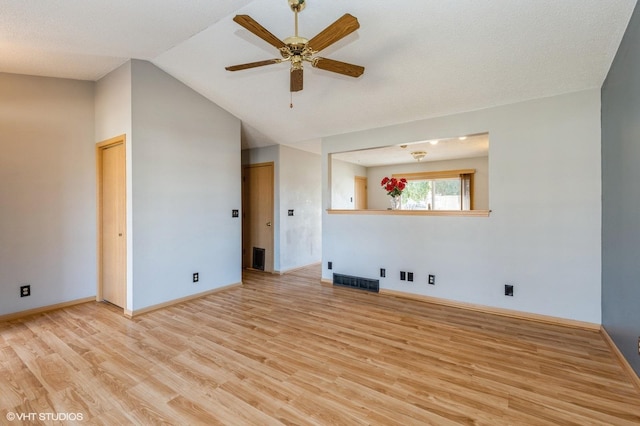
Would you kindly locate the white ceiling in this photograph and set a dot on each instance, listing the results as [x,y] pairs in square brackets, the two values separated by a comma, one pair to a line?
[423,59]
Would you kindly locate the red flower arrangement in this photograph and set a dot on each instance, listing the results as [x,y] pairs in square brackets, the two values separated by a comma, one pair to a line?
[393,186]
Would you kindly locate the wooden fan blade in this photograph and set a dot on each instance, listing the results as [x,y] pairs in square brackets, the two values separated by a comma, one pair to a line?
[337,66]
[252,25]
[252,65]
[341,28]
[296,80]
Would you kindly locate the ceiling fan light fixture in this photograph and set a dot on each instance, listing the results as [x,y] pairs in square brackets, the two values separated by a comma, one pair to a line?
[418,155]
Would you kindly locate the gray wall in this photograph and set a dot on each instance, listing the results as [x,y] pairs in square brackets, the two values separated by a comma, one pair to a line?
[186,181]
[183,181]
[47,191]
[543,233]
[621,196]
[113,104]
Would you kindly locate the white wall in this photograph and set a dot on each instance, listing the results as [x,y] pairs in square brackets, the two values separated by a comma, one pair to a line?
[343,183]
[300,191]
[378,198]
[113,118]
[186,182]
[543,234]
[47,191]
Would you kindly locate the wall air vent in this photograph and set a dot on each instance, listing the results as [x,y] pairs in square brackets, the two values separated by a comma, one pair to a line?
[258,259]
[356,282]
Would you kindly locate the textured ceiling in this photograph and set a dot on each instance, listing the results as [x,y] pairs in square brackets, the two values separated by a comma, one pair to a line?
[429,58]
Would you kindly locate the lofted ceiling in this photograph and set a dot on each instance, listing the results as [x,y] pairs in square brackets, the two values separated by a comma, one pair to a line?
[423,59]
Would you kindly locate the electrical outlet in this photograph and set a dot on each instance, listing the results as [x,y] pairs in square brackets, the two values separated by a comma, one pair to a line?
[403,275]
[508,290]
[25,290]
[196,277]
[410,276]
[235,213]
[329,265]
[290,212]
[383,272]
[638,345]
[432,280]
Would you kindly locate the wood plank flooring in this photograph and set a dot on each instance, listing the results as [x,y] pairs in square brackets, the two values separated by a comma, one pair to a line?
[287,350]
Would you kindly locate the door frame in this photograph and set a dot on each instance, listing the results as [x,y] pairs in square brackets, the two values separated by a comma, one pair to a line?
[100,147]
[269,267]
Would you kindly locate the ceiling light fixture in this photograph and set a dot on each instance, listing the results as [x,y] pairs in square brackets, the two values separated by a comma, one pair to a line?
[462,138]
[434,142]
[418,155]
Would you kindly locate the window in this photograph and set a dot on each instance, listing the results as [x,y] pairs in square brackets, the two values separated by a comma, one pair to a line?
[444,190]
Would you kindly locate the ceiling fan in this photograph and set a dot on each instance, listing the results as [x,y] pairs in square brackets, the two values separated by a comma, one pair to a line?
[296,49]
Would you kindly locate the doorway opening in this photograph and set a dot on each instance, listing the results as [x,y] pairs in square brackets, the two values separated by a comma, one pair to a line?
[257,217]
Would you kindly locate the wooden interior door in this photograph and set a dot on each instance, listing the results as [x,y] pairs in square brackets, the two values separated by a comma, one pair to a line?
[257,218]
[360,193]
[112,223]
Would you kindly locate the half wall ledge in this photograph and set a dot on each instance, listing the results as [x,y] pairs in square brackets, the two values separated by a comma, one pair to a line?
[461,213]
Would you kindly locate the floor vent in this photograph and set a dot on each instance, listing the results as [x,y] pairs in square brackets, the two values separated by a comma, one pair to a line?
[356,282]
[258,259]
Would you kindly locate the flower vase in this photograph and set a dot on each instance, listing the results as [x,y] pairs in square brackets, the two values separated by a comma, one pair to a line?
[395,202]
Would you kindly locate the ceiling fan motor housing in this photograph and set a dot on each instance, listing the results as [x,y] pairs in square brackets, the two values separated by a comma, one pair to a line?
[297,5]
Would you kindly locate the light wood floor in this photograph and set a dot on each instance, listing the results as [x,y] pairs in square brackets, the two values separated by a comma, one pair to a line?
[286,350]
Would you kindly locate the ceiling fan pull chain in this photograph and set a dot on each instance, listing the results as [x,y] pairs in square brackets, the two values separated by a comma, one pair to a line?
[290,99]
